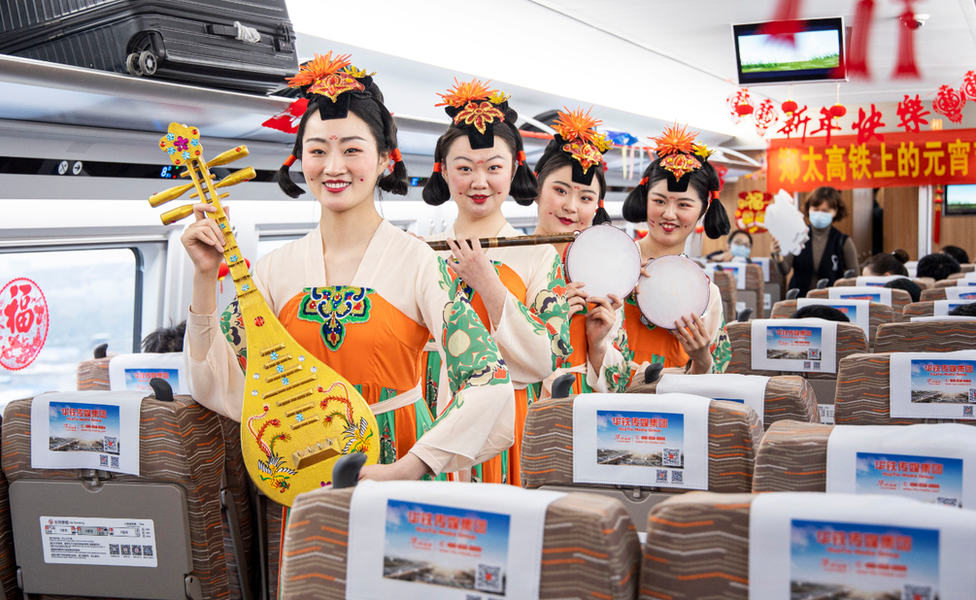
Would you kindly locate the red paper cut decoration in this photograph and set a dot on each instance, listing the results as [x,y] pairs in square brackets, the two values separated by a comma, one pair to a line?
[794,121]
[784,23]
[906,44]
[765,116]
[969,85]
[857,57]
[826,123]
[287,120]
[937,222]
[750,211]
[911,112]
[789,106]
[867,127]
[949,102]
[740,104]
[24,320]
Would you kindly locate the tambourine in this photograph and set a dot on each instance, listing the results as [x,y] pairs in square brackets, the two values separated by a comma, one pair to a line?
[606,259]
[677,287]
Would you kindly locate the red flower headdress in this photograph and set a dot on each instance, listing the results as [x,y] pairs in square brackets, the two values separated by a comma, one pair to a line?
[680,154]
[328,77]
[475,107]
[577,137]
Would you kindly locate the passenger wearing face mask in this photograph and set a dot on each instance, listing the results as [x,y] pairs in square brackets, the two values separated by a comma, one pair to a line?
[828,252]
[740,247]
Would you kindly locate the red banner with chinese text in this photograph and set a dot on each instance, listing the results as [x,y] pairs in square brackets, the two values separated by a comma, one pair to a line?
[902,159]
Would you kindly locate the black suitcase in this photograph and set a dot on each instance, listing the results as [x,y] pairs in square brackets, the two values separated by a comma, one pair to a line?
[241,45]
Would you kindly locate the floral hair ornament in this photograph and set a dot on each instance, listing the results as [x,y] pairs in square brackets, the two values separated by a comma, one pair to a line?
[680,155]
[475,108]
[576,135]
[327,81]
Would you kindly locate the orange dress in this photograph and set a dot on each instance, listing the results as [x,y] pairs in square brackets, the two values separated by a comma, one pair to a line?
[532,336]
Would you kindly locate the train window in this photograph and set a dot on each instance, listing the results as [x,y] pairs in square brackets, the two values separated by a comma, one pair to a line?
[91,298]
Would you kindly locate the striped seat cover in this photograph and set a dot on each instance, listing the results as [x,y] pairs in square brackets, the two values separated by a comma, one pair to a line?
[946,283]
[8,566]
[792,458]
[787,397]
[180,443]
[929,336]
[547,445]
[863,392]
[725,282]
[697,548]
[899,300]
[880,314]
[932,295]
[919,309]
[93,374]
[850,340]
[590,548]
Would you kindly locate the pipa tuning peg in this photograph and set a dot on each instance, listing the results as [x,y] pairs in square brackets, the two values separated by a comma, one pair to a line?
[228,157]
[233,179]
[171,194]
[171,216]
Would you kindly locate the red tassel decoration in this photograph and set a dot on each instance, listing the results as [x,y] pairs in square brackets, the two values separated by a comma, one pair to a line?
[857,58]
[937,222]
[906,67]
[785,22]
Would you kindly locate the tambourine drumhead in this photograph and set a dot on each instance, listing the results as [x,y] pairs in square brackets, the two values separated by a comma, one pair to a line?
[676,287]
[605,259]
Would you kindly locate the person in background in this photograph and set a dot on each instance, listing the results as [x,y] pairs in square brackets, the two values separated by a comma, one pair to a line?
[883,265]
[913,289]
[964,310]
[938,266]
[961,256]
[165,339]
[828,252]
[820,311]
[740,247]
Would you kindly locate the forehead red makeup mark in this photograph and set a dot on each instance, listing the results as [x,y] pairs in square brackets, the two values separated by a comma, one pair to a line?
[481,162]
[333,137]
[577,187]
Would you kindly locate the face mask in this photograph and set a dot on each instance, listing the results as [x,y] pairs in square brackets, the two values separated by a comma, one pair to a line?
[740,250]
[820,220]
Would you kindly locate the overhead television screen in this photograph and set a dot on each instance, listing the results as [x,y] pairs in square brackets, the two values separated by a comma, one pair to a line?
[959,199]
[817,55]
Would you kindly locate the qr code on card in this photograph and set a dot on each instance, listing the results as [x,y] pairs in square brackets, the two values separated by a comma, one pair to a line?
[671,457]
[103,460]
[662,476]
[489,579]
[115,462]
[678,477]
[813,353]
[916,592]
[110,444]
[947,501]
[967,411]
[972,395]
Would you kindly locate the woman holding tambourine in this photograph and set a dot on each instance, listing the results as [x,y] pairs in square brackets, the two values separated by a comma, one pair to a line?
[518,292]
[676,191]
[571,190]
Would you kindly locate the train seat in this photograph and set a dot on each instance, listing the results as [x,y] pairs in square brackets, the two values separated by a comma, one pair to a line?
[899,299]
[725,282]
[864,391]
[931,336]
[733,432]
[878,314]
[850,340]
[786,397]
[236,483]
[8,566]
[748,294]
[792,456]
[709,545]
[182,454]
[590,548]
